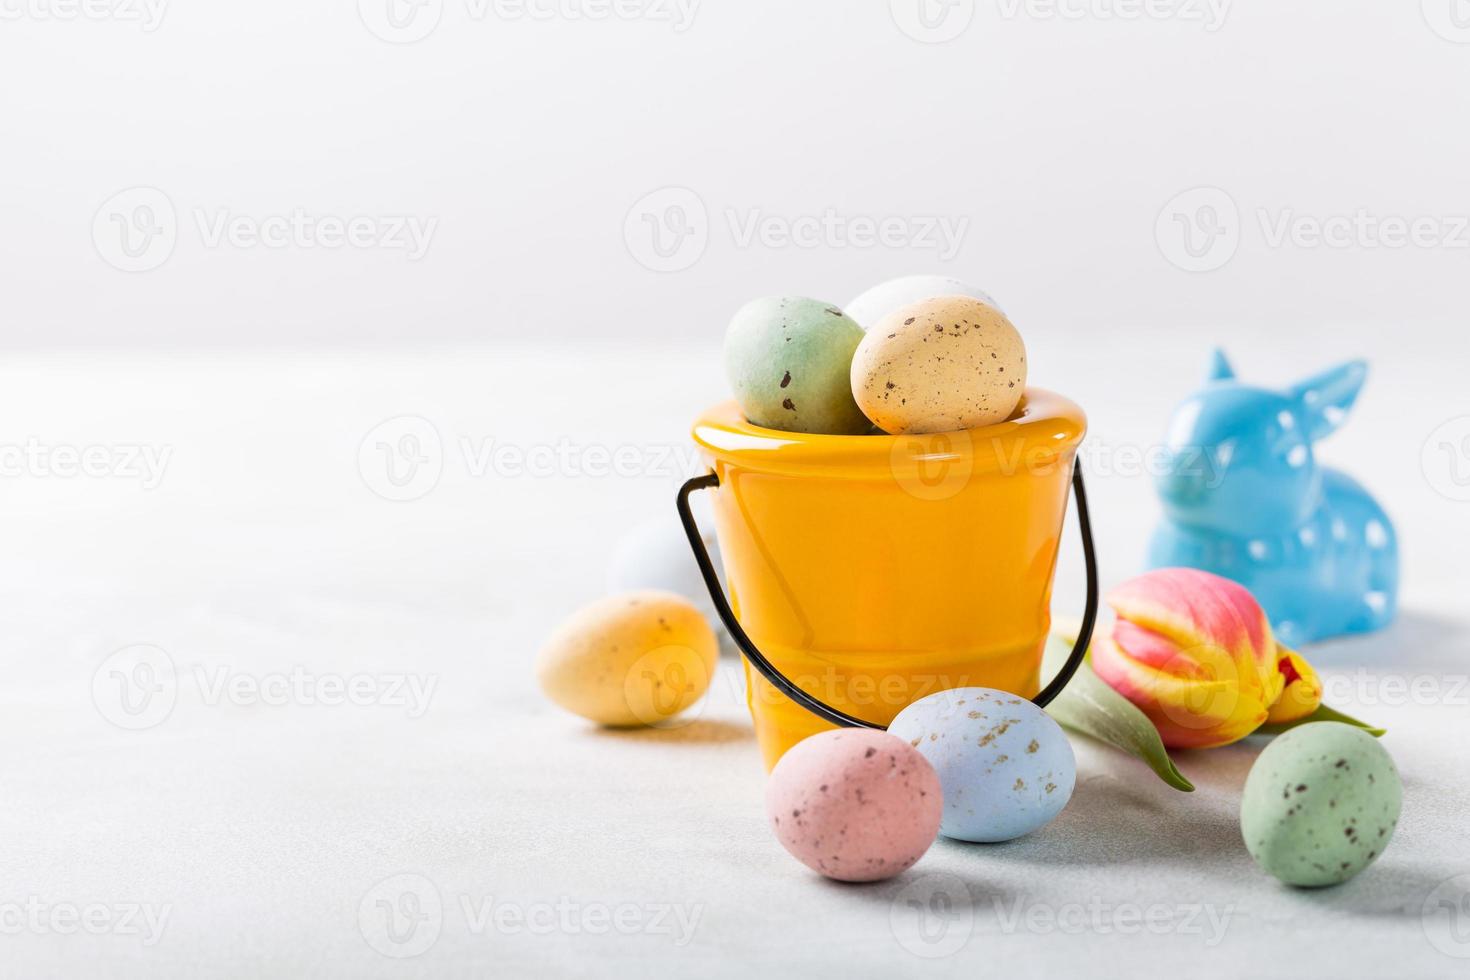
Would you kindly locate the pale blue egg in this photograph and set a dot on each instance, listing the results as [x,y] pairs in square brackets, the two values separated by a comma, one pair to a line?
[656,555]
[1006,767]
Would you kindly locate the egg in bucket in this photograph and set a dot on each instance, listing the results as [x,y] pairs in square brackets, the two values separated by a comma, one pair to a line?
[867,571]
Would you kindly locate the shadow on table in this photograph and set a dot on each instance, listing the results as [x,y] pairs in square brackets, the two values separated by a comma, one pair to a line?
[1385,890]
[702,731]
[1135,820]
[1417,638]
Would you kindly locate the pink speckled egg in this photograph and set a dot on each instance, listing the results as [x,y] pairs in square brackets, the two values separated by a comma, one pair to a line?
[855,804]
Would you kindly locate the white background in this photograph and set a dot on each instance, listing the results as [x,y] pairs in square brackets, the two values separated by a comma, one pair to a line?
[1059,138]
[1068,143]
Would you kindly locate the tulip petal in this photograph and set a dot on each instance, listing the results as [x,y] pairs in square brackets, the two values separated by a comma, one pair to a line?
[1193,608]
[1189,712]
[1302,693]
[1195,653]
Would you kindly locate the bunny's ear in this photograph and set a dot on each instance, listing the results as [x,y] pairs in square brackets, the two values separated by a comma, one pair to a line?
[1326,398]
[1220,369]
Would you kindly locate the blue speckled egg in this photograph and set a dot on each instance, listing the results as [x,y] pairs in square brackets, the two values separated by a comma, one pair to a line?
[1006,767]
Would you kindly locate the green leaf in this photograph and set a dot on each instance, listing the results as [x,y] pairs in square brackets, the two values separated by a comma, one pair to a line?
[1323,713]
[1090,706]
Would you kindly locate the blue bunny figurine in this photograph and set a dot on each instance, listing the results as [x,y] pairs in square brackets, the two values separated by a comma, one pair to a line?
[1244,498]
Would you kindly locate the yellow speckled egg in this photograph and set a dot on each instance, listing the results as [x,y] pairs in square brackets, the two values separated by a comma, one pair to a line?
[638,658]
[940,365]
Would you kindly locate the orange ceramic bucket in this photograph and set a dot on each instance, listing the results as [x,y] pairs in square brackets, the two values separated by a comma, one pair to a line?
[869,571]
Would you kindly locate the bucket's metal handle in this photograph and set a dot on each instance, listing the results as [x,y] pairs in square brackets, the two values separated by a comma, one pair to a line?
[825,711]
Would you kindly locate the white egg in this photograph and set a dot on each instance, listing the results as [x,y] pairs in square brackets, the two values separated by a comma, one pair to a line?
[895,294]
[656,555]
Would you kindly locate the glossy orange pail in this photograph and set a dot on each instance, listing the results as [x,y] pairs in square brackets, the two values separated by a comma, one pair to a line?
[873,570]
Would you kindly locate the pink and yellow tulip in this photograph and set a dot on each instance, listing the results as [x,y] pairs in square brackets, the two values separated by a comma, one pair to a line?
[1195,652]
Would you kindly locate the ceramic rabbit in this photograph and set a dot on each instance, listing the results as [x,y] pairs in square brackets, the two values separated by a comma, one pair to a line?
[1244,498]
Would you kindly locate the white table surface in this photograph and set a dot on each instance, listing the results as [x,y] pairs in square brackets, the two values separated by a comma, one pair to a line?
[260,830]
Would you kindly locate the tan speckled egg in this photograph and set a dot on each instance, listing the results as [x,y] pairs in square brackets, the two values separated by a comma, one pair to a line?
[638,658]
[940,365]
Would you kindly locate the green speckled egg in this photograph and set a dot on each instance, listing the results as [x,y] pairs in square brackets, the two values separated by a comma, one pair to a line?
[1320,804]
[789,361]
